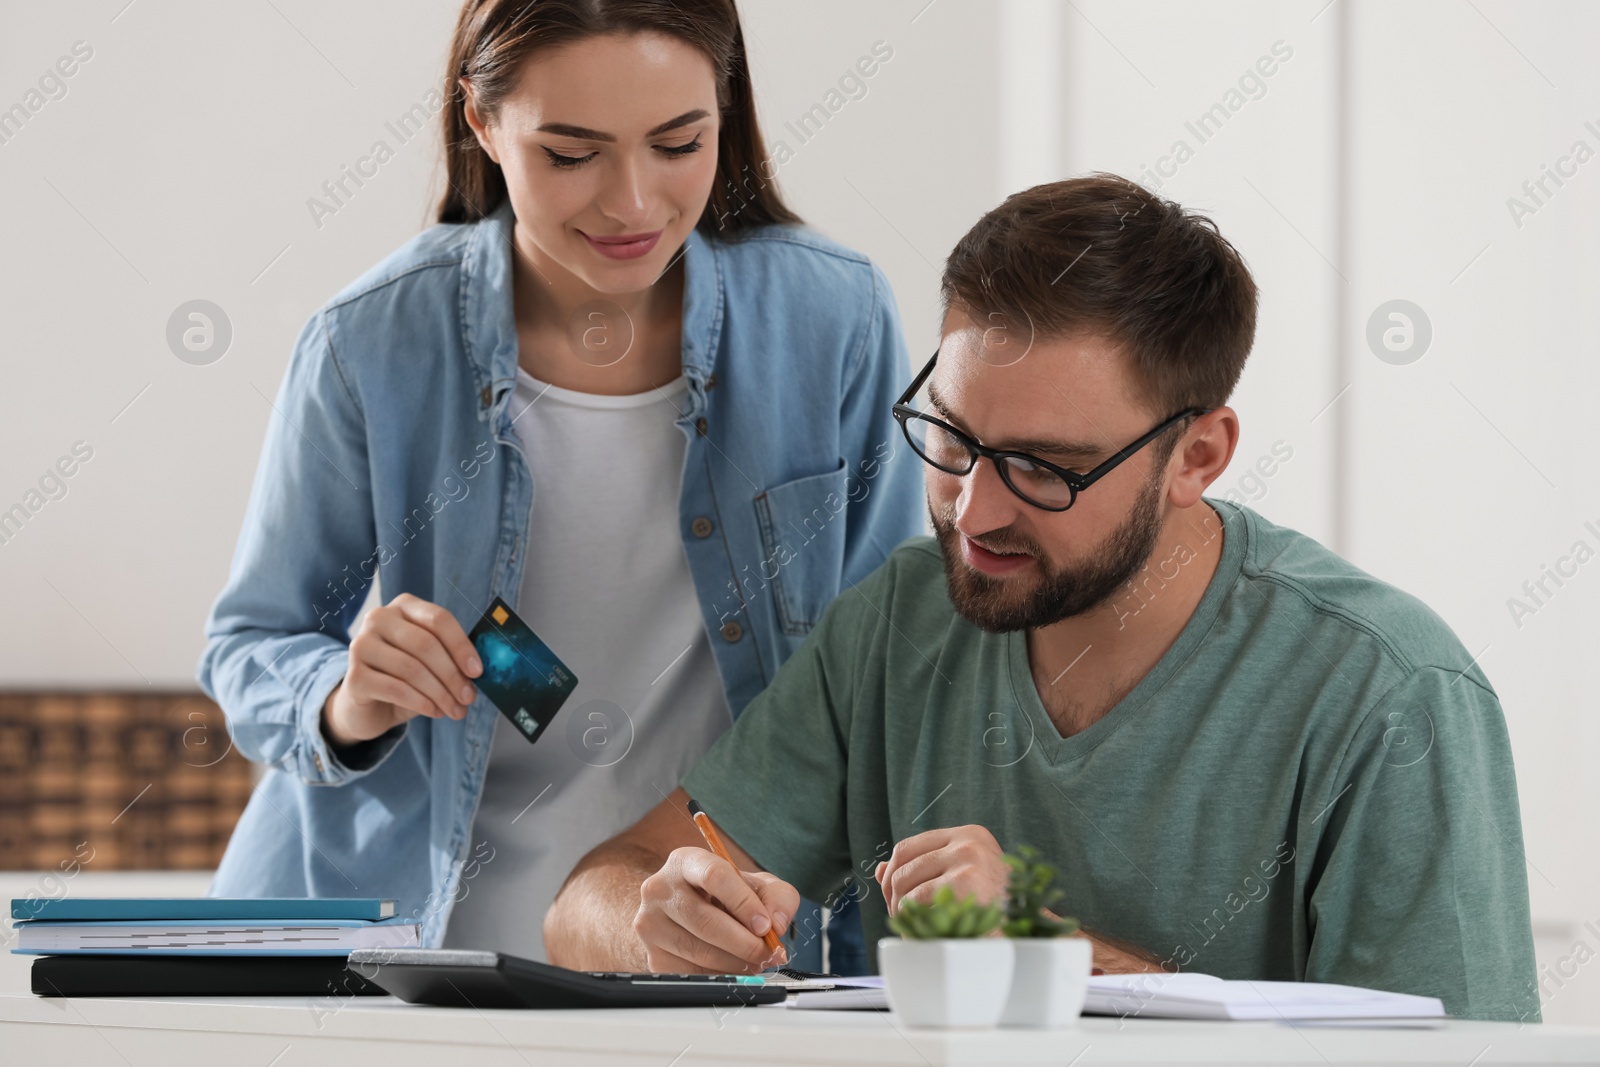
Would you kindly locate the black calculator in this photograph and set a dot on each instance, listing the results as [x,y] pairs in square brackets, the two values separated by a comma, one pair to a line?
[469,979]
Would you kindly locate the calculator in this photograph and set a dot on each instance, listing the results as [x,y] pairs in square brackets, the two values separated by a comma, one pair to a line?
[457,978]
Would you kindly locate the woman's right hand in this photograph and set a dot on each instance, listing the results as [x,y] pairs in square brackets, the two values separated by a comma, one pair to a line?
[410,658]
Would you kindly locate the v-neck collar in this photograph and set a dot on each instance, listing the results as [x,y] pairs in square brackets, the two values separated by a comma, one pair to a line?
[489,331]
[1058,749]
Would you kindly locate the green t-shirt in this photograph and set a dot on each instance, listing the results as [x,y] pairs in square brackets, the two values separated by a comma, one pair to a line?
[1313,783]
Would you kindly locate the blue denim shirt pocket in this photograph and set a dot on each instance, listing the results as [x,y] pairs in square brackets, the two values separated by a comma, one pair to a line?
[802,525]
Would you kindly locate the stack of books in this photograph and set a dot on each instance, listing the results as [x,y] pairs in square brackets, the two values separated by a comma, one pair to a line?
[206,946]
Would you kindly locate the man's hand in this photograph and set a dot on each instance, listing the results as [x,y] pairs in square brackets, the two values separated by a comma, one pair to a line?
[698,914]
[967,858]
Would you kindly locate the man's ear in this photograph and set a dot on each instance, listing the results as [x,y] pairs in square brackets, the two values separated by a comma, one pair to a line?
[1203,454]
[479,129]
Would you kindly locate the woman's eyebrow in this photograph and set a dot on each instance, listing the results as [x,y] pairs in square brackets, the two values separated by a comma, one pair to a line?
[1060,449]
[583,133]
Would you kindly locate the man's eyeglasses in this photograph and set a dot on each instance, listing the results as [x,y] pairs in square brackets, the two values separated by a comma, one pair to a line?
[1039,482]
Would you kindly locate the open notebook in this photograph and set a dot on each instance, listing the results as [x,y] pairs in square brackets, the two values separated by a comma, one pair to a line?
[1185,996]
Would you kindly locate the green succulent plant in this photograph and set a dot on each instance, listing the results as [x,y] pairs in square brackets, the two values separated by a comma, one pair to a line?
[1029,893]
[945,917]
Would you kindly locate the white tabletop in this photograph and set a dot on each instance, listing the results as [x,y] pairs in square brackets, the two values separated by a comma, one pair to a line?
[287,1031]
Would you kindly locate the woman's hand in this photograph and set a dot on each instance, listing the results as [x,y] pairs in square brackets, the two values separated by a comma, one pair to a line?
[410,658]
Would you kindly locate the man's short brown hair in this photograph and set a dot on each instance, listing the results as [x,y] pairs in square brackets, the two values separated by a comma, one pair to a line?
[1102,255]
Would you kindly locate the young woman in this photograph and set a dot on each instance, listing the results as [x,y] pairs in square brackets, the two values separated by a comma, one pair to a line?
[620,387]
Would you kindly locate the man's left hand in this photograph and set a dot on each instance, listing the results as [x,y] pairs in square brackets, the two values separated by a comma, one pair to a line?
[966,858]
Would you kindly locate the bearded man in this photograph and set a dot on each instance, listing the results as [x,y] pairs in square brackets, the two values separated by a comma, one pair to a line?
[1243,755]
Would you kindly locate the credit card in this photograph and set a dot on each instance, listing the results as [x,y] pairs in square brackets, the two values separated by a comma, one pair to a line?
[521,676]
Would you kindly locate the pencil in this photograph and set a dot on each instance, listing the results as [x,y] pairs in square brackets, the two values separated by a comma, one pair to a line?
[708,831]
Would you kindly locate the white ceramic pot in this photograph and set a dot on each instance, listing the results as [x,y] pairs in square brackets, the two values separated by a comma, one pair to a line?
[947,982]
[1049,981]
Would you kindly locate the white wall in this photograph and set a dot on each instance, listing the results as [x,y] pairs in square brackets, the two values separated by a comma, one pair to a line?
[1456,476]
[1375,166]
[1473,467]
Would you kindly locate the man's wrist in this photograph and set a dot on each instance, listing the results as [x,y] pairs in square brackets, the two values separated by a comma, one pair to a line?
[589,924]
[1113,955]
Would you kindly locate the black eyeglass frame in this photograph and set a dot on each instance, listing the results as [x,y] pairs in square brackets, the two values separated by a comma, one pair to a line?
[1077,483]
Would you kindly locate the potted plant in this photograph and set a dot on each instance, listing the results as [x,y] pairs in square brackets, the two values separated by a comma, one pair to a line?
[1050,969]
[944,970]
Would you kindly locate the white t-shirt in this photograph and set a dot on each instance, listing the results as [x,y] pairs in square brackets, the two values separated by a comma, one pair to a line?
[606,585]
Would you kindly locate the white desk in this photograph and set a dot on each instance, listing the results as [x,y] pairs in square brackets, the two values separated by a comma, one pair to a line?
[294,1032]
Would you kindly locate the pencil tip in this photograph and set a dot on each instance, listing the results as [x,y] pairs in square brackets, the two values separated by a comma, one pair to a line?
[694,808]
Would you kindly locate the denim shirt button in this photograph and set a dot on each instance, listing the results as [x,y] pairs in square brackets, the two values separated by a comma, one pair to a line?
[701,526]
[700,426]
[732,631]
[487,396]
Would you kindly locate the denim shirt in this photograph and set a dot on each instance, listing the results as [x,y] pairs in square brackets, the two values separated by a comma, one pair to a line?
[391,456]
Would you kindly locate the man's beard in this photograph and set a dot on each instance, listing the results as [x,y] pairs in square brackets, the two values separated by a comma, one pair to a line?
[993,604]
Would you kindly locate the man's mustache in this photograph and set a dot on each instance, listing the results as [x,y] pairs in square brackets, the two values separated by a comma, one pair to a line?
[999,551]
[1000,543]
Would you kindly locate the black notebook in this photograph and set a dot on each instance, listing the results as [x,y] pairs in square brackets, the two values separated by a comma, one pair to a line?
[198,976]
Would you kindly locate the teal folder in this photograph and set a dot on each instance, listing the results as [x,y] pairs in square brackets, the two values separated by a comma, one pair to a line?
[208,909]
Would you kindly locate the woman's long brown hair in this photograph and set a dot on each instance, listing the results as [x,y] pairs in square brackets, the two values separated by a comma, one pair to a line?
[494,37]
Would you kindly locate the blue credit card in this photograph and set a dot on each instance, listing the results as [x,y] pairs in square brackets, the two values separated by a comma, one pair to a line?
[521,676]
